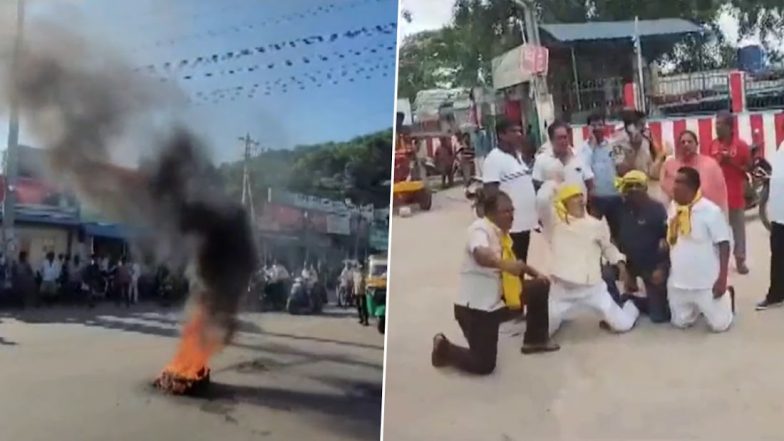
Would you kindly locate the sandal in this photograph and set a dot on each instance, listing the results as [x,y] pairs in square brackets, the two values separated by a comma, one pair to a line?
[439,350]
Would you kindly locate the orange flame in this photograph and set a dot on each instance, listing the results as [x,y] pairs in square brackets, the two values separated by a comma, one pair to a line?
[196,348]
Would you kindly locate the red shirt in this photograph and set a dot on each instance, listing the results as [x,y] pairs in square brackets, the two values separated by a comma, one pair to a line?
[734,170]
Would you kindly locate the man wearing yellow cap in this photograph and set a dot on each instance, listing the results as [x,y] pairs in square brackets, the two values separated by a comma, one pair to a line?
[699,237]
[578,243]
[642,227]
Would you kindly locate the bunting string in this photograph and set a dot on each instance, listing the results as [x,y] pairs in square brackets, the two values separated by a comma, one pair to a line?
[389,29]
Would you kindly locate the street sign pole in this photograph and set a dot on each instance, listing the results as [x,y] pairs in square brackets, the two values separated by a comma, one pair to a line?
[11,159]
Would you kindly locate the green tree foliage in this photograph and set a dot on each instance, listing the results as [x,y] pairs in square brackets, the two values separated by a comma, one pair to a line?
[483,29]
[358,169]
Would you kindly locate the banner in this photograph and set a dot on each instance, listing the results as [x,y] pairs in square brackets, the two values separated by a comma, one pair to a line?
[37,198]
[535,59]
[339,224]
[379,239]
[507,71]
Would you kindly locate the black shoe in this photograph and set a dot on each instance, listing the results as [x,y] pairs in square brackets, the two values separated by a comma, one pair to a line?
[767,304]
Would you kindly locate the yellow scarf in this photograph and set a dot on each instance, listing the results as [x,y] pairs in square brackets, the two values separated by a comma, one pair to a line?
[511,284]
[680,224]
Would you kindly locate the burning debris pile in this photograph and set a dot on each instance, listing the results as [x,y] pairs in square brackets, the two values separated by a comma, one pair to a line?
[83,104]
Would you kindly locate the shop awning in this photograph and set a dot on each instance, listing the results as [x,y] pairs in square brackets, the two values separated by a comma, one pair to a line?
[108,231]
[614,30]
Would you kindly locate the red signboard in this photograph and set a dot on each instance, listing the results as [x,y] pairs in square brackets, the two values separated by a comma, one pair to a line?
[535,59]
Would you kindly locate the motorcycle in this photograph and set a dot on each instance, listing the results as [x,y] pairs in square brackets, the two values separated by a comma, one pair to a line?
[303,299]
[758,184]
[473,193]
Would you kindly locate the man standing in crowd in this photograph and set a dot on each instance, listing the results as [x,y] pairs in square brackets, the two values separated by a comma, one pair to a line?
[561,159]
[505,170]
[699,241]
[94,280]
[634,148]
[597,153]
[775,296]
[687,154]
[642,230]
[480,308]
[23,278]
[465,154]
[123,280]
[578,243]
[359,295]
[50,274]
[734,157]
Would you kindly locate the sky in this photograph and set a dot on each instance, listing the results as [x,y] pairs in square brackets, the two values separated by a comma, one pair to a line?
[153,33]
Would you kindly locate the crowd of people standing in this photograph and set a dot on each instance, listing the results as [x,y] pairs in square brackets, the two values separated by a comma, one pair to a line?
[607,231]
[70,279]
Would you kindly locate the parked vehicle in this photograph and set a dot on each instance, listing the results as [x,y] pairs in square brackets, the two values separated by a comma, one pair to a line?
[376,290]
[303,300]
[758,183]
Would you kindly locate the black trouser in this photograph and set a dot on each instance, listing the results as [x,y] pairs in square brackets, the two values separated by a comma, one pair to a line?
[362,310]
[520,243]
[480,329]
[776,289]
[536,294]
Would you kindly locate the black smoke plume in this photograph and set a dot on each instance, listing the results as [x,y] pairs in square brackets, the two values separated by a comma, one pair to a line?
[86,107]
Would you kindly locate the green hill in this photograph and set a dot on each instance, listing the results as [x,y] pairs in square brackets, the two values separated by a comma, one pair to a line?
[358,169]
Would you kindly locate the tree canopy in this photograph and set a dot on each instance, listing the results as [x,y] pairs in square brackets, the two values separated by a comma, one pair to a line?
[458,54]
[358,169]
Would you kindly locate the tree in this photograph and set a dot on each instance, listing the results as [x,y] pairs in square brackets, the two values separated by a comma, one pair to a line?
[320,170]
[483,29]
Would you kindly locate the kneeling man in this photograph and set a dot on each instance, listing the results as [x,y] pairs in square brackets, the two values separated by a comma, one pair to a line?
[491,273]
[699,239]
[578,243]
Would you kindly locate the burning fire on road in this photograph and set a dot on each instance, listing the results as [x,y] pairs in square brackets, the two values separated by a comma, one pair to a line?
[83,105]
[188,372]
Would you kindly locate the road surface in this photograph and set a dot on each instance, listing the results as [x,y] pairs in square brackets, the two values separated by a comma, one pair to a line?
[656,383]
[72,375]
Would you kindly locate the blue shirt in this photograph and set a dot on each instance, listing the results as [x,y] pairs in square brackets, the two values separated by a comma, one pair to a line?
[639,234]
[601,161]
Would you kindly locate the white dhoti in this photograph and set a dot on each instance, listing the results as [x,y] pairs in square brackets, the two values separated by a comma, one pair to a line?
[478,162]
[567,300]
[687,305]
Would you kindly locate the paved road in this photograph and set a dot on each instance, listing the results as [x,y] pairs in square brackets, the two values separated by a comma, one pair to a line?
[74,375]
[654,383]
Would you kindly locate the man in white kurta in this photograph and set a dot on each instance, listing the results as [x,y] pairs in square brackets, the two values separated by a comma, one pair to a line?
[699,239]
[578,242]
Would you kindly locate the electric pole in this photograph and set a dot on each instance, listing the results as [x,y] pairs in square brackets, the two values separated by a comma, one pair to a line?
[11,165]
[247,190]
[531,36]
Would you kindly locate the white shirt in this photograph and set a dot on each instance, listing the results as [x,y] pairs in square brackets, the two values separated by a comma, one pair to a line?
[136,272]
[694,259]
[513,178]
[574,171]
[480,287]
[50,271]
[776,197]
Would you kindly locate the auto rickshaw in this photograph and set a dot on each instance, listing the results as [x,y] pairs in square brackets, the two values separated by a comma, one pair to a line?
[376,290]
[409,186]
